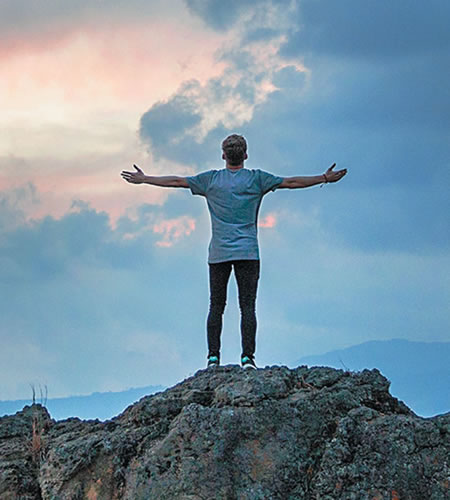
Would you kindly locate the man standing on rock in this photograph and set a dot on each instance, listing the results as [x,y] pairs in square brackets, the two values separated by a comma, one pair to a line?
[234,195]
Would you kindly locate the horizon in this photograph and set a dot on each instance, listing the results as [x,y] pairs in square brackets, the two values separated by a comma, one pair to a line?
[427,398]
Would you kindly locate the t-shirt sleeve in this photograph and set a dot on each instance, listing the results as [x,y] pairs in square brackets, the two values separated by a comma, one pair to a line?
[199,183]
[269,182]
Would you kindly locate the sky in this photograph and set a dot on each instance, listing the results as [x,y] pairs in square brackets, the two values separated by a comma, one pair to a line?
[104,284]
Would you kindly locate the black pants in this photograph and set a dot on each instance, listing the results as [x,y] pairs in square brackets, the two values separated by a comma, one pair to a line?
[247,275]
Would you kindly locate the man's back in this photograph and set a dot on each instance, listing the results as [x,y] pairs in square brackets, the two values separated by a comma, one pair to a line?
[234,198]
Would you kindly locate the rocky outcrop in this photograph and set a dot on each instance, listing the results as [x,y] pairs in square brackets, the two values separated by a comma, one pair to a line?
[308,433]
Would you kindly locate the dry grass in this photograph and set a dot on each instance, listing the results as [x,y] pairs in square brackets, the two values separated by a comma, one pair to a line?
[37,425]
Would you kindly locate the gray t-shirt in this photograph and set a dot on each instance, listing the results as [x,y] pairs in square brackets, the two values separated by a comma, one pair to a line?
[233,198]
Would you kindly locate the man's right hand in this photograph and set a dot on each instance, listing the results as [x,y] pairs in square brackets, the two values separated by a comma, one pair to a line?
[137,177]
[332,176]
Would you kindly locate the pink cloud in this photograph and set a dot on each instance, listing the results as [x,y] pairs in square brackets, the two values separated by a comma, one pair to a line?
[173,230]
[71,102]
[268,221]
[120,65]
[95,181]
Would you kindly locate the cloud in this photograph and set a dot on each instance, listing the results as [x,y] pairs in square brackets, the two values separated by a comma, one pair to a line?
[24,18]
[374,30]
[374,64]
[219,15]
[185,143]
[92,178]
[393,198]
[15,204]
[391,218]
[173,229]
[164,124]
[81,71]
[410,94]
[384,117]
[76,285]
[259,19]
[183,127]
[269,221]
[394,195]
[374,97]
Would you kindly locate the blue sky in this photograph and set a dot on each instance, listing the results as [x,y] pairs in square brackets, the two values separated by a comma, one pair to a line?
[104,284]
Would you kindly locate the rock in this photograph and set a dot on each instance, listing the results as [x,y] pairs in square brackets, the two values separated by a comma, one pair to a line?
[21,448]
[275,433]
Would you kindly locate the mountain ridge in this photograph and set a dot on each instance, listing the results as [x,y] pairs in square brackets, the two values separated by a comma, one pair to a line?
[229,434]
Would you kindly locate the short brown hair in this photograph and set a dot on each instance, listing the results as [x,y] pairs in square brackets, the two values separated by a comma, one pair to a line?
[234,148]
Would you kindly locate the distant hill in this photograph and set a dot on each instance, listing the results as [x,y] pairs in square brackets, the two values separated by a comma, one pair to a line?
[419,371]
[101,405]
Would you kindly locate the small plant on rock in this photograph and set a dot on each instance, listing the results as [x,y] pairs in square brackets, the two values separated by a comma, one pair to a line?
[37,425]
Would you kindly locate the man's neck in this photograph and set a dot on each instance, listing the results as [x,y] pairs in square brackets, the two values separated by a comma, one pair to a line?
[234,167]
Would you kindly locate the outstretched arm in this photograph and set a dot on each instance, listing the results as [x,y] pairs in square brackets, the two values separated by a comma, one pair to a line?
[301,182]
[139,177]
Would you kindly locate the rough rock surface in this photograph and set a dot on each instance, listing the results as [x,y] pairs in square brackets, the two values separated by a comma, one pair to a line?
[308,433]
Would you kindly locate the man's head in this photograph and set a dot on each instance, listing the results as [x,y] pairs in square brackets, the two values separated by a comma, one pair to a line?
[234,149]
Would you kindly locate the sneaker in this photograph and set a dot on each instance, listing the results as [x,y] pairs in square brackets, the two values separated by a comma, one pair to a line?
[248,362]
[213,361]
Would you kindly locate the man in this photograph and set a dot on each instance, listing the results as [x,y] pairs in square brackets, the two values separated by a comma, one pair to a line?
[234,195]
